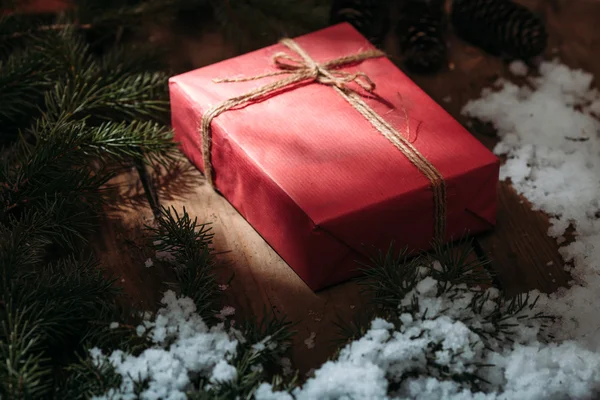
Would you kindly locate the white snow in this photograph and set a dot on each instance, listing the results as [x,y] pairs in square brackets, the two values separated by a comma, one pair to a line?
[183,344]
[551,139]
[223,372]
[286,366]
[518,68]
[227,311]
[310,341]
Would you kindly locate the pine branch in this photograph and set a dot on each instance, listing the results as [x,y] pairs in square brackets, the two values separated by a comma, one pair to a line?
[30,72]
[65,298]
[457,263]
[52,27]
[350,330]
[24,373]
[265,341]
[136,140]
[75,112]
[11,23]
[24,77]
[87,379]
[509,316]
[22,247]
[121,98]
[187,244]
[50,170]
[390,276]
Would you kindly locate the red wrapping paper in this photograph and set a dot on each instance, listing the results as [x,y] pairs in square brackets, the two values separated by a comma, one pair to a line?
[311,174]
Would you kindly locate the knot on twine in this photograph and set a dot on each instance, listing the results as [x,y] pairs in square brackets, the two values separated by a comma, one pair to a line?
[305,68]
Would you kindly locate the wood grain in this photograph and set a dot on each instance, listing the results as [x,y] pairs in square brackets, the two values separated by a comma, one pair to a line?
[522,253]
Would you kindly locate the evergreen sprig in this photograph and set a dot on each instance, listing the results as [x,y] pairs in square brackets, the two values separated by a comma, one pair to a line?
[265,341]
[390,275]
[24,372]
[392,278]
[69,112]
[187,244]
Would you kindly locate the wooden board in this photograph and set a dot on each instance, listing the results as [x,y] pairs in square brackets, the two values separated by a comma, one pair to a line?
[522,253]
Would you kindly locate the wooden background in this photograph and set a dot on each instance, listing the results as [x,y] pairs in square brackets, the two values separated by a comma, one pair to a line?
[521,252]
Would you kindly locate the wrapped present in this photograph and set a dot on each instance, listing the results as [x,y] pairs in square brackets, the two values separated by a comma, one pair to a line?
[328,150]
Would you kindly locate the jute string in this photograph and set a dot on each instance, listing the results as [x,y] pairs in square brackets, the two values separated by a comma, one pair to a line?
[305,69]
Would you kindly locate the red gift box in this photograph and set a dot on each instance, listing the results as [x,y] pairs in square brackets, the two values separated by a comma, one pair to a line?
[311,173]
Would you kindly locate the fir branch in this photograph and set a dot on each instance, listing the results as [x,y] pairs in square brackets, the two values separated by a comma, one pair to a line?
[52,169]
[52,27]
[87,379]
[390,276]
[24,372]
[117,335]
[12,23]
[456,263]
[124,141]
[120,97]
[65,298]
[22,247]
[24,78]
[132,140]
[353,329]
[66,51]
[513,314]
[264,342]
[57,221]
[75,112]
[188,244]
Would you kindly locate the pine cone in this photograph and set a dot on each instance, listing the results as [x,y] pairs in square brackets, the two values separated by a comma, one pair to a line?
[369,17]
[500,27]
[420,30]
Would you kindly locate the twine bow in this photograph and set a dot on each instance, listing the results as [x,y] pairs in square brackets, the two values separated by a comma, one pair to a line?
[306,69]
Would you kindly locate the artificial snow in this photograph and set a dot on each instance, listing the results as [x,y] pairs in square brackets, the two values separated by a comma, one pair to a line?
[227,311]
[518,68]
[286,366]
[310,341]
[550,137]
[223,372]
[264,344]
[183,344]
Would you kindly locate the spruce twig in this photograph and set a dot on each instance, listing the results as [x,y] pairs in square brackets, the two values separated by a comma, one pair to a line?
[53,27]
